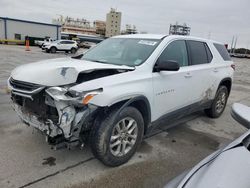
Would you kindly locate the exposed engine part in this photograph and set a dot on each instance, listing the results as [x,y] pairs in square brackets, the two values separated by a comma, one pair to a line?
[61,120]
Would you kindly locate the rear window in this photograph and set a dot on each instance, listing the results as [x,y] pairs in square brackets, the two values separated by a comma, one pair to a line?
[223,51]
[199,52]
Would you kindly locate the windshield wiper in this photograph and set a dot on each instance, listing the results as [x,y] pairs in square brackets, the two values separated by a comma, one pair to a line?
[78,56]
[99,61]
[106,62]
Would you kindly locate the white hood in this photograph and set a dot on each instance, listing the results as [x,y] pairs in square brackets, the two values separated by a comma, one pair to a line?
[60,71]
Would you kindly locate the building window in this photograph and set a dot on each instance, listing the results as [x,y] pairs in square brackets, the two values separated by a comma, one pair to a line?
[17,36]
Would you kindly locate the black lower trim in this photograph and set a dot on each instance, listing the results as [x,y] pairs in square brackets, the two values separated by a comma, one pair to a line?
[178,114]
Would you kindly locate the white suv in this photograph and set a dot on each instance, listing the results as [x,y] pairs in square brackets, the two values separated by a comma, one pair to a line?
[118,91]
[61,45]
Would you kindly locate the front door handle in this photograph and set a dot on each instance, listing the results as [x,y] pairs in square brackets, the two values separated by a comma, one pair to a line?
[188,75]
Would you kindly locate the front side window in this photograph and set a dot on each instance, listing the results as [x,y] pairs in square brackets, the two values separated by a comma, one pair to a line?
[122,51]
[198,52]
[175,51]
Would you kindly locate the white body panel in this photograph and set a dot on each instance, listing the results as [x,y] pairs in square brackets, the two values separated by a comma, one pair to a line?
[225,168]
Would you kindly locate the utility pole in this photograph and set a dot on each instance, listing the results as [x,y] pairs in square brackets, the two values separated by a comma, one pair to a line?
[231,50]
[209,35]
[236,38]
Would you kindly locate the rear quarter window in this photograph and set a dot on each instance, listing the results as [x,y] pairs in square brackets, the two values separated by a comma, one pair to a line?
[199,52]
[222,51]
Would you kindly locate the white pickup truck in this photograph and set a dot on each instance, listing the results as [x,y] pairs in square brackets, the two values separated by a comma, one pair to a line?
[40,43]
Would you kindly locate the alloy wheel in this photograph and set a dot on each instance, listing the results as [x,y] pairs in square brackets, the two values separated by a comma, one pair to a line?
[123,138]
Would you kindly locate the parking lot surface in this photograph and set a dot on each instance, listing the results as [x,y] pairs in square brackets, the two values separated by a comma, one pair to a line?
[27,161]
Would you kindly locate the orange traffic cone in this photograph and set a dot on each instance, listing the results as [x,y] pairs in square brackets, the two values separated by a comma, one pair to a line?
[27,45]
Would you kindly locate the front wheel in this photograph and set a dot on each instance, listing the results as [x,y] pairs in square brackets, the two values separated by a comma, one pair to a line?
[73,50]
[115,139]
[219,103]
[53,49]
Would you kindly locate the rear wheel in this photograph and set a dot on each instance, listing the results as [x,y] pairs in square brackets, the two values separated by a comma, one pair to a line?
[115,139]
[53,49]
[219,103]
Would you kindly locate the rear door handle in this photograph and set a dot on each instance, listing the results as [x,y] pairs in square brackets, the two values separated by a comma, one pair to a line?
[188,75]
[215,70]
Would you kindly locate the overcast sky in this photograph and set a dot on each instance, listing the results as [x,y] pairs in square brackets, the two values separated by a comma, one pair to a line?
[219,19]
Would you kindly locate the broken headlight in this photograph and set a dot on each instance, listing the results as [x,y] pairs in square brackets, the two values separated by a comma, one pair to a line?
[62,94]
[57,93]
[85,96]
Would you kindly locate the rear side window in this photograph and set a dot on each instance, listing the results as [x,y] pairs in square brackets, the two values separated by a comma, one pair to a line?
[209,54]
[199,52]
[223,51]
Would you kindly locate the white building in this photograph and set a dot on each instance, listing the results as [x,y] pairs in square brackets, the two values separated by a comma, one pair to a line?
[113,23]
[15,29]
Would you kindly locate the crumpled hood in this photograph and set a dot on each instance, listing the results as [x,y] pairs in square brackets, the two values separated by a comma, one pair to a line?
[60,71]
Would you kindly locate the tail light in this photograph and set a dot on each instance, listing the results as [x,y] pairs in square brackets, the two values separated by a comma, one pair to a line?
[233,66]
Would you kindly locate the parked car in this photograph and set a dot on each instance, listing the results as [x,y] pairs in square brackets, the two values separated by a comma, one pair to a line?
[46,41]
[87,45]
[118,91]
[61,45]
[225,168]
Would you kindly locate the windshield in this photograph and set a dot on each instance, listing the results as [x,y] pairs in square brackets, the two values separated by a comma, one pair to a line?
[122,51]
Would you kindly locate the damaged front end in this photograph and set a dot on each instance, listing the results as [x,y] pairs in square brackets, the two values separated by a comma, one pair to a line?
[62,115]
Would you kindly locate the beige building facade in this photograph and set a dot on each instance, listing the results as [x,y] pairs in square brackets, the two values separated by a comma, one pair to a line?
[113,23]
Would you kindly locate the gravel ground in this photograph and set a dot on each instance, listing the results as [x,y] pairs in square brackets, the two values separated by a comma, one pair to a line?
[27,161]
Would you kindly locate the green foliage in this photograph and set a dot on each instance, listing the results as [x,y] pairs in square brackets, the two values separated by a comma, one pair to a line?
[242,51]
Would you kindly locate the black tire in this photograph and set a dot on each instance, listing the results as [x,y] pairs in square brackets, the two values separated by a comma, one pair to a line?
[213,111]
[100,137]
[73,50]
[53,49]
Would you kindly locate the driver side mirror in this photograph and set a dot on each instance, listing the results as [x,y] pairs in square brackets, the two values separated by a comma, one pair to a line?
[168,65]
[241,113]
